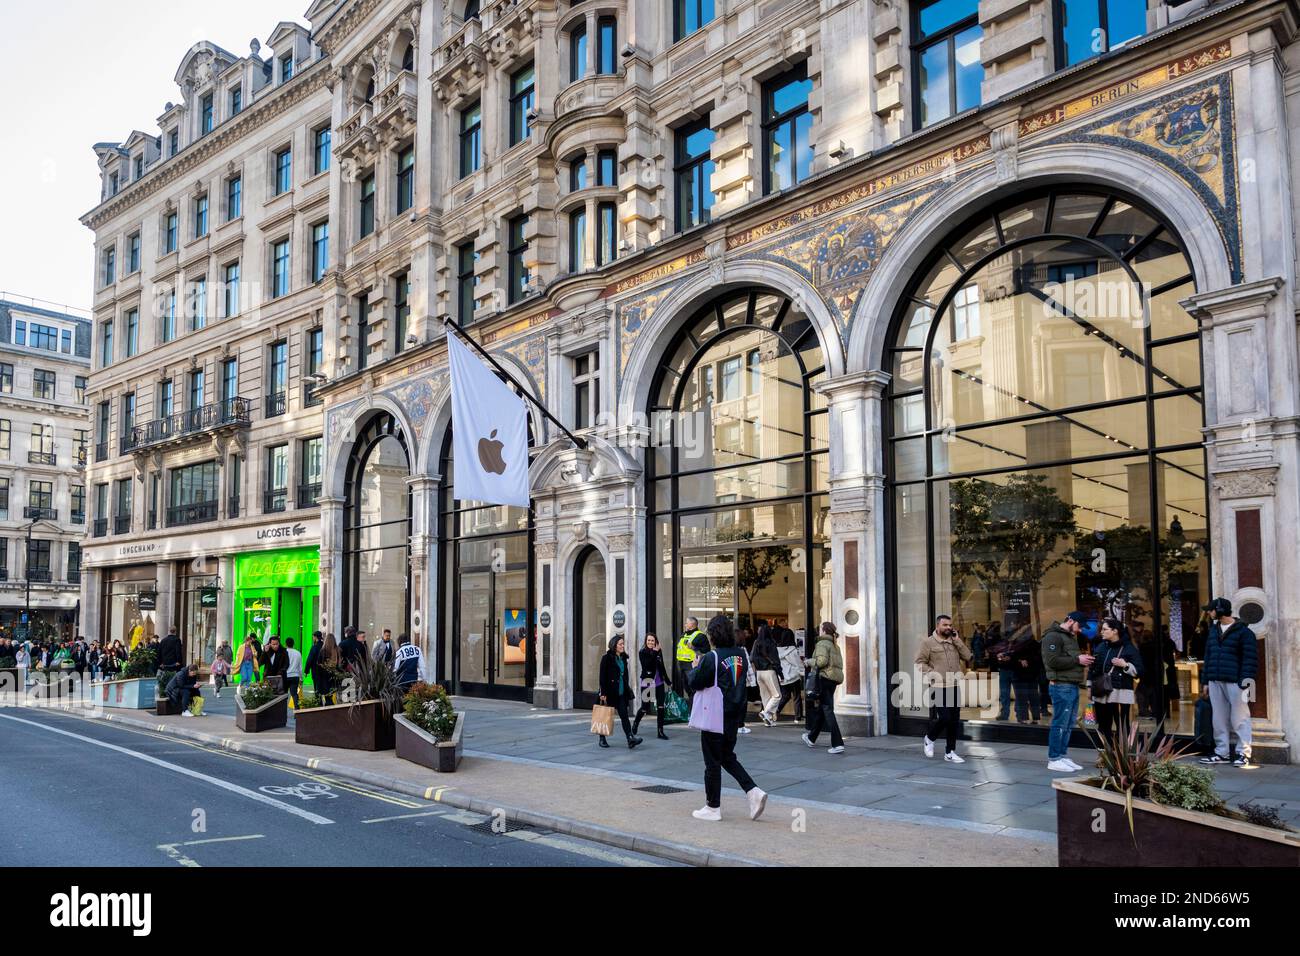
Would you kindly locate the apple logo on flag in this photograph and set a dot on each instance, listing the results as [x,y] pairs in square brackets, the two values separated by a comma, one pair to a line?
[489,454]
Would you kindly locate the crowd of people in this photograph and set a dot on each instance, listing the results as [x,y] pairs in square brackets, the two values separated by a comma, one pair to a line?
[86,660]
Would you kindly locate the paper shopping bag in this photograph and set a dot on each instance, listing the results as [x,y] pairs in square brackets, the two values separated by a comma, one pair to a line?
[602,720]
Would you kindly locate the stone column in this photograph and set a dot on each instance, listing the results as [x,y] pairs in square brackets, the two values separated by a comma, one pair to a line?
[424,565]
[226,600]
[857,546]
[165,613]
[331,566]
[545,692]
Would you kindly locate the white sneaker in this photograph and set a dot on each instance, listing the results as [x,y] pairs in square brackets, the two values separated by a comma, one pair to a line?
[1061,766]
[766,719]
[807,739]
[186,713]
[742,730]
[708,813]
[835,750]
[1073,765]
[929,746]
[953,757]
[757,801]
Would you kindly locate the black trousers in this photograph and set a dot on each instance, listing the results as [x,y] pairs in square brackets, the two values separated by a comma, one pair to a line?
[821,715]
[719,755]
[185,696]
[620,705]
[1112,719]
[793,690]
[945,716]
[657,707]
[291,685]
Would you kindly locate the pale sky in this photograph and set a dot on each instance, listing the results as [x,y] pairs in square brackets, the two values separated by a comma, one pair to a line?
[77,72]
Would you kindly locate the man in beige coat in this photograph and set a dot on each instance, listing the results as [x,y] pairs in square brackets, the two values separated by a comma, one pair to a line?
[943,658]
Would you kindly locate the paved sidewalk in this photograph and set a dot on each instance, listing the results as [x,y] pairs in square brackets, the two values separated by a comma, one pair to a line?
[879,803]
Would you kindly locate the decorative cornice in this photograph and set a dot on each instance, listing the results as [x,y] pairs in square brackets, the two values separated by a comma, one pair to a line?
[194,156]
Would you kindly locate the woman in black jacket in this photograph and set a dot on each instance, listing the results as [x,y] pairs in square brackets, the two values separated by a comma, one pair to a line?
[766,659]
[653,674]
[1117,657]
[616,687]
[1026,670]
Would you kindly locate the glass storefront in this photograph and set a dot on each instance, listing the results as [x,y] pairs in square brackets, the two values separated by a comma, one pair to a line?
[1045,451]
[738,470]
[488,647]
[129,603]
[277,592]
[199,581]
[377,531]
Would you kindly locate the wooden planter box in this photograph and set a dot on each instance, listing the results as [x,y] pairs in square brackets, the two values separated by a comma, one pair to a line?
[419,746]
[1161,836]
[360,726]
[270,716]
[164,707]
[136,693]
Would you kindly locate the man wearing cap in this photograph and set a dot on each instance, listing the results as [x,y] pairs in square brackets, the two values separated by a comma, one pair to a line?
[1066,666]
[1229,672]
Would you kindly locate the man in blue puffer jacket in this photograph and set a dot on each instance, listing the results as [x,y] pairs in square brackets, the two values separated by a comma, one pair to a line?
[1229,671]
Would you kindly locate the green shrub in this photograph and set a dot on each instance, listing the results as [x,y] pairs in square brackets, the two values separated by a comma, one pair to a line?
[141,662]
[308,701]
[8,662]
[255,695]
[1183,785]
[429,707]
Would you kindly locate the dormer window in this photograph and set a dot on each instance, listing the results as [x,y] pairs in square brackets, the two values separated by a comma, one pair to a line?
[173,142]
[205,115]
[236,100]
[137,167]
[286,68]
[112,184]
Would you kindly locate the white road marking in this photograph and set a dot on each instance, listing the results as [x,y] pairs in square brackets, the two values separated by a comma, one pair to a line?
[185,771]
[408,816]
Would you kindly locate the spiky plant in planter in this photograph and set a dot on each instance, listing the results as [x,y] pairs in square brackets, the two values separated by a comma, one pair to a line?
[1127,762]
[374,680]
[428,706]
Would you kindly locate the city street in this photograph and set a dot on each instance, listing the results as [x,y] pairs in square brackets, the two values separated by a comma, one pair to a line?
[83,794]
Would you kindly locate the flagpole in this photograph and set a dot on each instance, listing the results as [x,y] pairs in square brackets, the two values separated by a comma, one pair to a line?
[466,337]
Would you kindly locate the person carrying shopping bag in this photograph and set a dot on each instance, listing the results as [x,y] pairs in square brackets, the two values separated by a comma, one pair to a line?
[826,672]
[616,687]
[654,682]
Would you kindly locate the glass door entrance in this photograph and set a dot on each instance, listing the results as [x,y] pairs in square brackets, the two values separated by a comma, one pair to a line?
[492,625]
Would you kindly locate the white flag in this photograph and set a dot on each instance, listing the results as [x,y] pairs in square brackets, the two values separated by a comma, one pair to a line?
[489,427]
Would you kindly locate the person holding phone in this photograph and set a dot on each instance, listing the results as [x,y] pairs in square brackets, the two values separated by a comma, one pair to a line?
[1114,669]
[1065,665]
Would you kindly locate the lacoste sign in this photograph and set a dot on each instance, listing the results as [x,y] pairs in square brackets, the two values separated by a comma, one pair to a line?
[279,531]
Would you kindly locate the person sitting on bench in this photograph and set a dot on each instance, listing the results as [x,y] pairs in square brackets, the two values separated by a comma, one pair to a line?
[184,687]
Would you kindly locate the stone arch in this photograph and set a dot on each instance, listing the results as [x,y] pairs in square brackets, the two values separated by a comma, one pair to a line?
[1120,169]
[608,461]
[403,40]
[683,302]
[353,423]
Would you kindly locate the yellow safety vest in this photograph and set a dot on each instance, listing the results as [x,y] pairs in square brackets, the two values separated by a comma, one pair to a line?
[685,652]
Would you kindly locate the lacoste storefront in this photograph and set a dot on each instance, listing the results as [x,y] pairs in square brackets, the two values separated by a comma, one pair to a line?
[277,592]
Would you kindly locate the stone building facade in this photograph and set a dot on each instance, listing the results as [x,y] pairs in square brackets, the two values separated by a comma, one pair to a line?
[865,311]
[44,429]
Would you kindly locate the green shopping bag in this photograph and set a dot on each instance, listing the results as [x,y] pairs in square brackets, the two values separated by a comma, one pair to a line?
[676,710]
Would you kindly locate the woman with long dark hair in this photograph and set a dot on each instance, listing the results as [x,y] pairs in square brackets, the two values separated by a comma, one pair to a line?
[1115,666]
[616,686]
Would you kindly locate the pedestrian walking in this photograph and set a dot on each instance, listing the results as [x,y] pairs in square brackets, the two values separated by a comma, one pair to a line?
[792,672]
[221,667]
[1115,666]
[351,649]
[654,684]
[1026,658]
[723,668]
[766,659]
[171,653]
[383,649]
[685,657]
[751,682]
[827,669]
[292,673]
[616,687]
[1065,665]
[943,658]
[246,661]
[408,663]
[1230,668]
[323,660]
[275,663]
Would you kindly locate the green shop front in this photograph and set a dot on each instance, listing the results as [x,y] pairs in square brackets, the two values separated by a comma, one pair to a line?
[277,592]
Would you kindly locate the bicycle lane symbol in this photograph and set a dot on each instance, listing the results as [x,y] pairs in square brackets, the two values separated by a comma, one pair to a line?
[303,791]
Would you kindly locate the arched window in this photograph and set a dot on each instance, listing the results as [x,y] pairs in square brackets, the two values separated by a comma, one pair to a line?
[471,10]
[377,529]
[1044,441]
[486,592]
[737,472]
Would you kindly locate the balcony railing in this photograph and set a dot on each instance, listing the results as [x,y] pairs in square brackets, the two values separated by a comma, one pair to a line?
[195,421]
[275,501]
[40,514]
[121,524]
[277,404]
[308,494]
[74,577]
[4,574]
[101,527]
[152,517]
[309,397]
[196,513]
[42,458]
[78,517]
[39,575]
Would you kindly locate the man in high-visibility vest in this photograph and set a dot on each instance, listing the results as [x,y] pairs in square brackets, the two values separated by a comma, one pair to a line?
[685,658]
